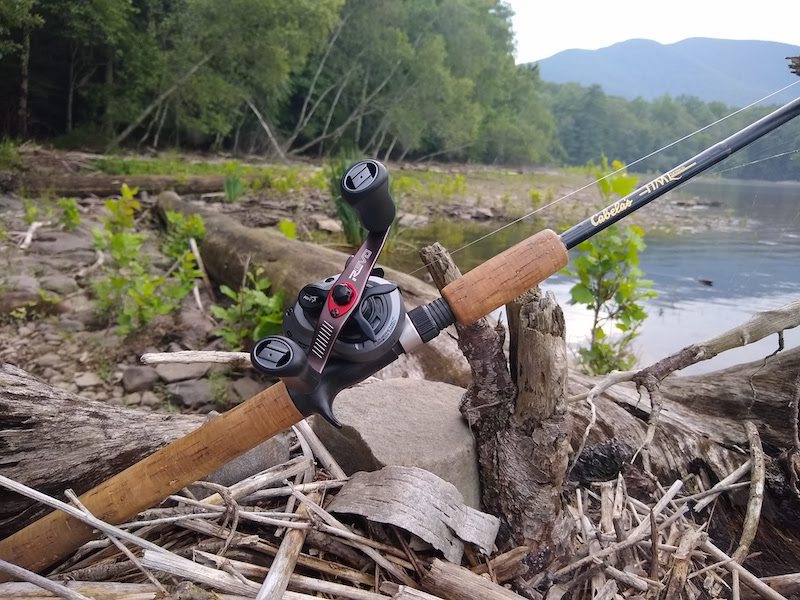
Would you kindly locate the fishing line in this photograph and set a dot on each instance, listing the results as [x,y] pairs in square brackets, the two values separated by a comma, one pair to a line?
[753,162]
[611,174]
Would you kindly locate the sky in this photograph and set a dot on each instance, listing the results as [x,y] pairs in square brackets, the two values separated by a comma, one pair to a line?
[545,28]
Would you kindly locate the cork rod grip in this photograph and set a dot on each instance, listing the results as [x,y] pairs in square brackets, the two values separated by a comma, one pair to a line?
[149,481]
[505,276]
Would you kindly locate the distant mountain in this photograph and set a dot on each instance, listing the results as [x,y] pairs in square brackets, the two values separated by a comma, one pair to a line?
[736,72]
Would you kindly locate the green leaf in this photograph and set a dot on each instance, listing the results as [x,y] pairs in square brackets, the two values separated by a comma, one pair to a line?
[581,295]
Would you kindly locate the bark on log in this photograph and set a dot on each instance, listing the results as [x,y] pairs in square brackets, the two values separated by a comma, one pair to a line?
[291,264]
[51,440]
[109,185]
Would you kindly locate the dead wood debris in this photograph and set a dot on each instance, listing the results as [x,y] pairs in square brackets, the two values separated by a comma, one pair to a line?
[624,547]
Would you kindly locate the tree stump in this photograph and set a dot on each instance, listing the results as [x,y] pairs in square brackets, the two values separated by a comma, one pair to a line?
[519,416]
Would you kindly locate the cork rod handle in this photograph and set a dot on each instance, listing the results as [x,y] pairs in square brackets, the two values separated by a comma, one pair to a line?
[149,481]
[504,277]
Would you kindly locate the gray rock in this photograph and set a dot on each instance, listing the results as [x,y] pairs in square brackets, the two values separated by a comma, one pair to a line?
[22,283]
[412,221]
[150,399]
[247,387]
[71,325]
[59,283]
[194,394]
[131,399]
[86,380]
[58,242]
[407,422]
[51,359]
[194,325]
[138,379]
[328,224]
[173,372]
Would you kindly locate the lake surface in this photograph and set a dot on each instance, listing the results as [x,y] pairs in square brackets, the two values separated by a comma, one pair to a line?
[750,270]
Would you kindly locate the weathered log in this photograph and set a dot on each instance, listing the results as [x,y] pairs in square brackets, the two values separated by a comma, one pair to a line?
[290,264]
[710,441]
[51,439]
[109,185]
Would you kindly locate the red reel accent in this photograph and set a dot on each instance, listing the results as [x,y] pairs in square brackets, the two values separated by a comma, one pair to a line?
[340,309]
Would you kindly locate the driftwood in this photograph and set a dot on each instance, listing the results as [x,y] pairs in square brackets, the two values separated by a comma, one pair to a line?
[52,439]
[229,246]
[109,185]
[518,414]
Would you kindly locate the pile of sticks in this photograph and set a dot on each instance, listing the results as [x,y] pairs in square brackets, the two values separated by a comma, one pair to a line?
[269,536]
[632,549]
[257,538]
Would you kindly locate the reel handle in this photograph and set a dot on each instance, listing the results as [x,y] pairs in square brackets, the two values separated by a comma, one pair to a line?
[365,187]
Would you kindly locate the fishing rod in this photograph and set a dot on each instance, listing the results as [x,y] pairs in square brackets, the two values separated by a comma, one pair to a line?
[338,332]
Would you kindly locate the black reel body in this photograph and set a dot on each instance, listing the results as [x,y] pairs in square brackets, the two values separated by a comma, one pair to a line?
[344,328]
[373,328]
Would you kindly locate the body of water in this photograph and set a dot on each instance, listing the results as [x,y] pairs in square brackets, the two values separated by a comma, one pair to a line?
[748,271]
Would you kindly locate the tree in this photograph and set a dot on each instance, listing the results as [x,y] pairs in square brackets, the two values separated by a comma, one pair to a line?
[20,15]
[610,282]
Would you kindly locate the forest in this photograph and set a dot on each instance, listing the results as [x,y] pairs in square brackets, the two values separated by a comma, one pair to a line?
[401,80]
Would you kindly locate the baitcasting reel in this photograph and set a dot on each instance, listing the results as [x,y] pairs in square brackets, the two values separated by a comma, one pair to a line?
[344,328]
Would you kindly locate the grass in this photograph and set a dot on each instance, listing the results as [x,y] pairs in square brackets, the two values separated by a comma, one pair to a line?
[280,178]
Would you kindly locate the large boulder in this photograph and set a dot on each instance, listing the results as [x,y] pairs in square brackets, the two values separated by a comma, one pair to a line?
[408,422]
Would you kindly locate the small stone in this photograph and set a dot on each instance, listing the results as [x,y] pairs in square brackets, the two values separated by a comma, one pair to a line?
[150,399]
[194,394]
[51,359]
[59,283]
[132,399]
[247,387]
[328,224]
[88,379]
[137,379]
[22,283]
[173,372]
[117,393]
[49,373]
[410,220]
[71,325]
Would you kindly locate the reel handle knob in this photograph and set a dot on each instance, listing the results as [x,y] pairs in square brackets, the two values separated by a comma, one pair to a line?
[365,187]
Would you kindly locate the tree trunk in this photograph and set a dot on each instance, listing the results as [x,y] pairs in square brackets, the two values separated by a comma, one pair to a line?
[157,102]
[22,109]
[518,415]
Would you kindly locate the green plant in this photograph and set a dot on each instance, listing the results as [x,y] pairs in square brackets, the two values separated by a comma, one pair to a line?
[220,389]
[180,229]
[70,217]
[130,292]
[31,210]
[351,226]
[233,187]
[9,155]
[288,228]
[252,314]
[612,286]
